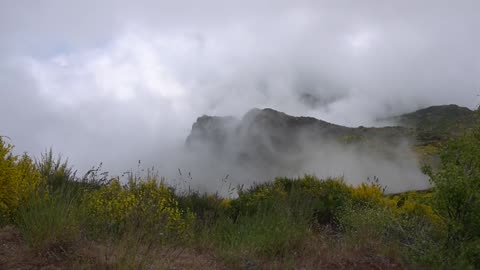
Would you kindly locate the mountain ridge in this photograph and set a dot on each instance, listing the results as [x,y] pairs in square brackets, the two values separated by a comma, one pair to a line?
[444,120]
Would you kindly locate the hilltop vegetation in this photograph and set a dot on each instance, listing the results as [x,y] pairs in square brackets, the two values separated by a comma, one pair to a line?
[439,123]
[51,217]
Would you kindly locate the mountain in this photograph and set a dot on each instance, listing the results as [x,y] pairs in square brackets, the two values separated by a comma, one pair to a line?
[266,136]
[271,138]
[424,126]
[438,123]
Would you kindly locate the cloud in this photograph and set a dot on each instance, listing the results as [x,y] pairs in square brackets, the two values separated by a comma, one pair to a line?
[119,81]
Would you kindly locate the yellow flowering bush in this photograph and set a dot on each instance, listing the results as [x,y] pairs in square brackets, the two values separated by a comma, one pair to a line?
[368,194]
[18,180]
[148,205]
[410,205]
[226,203]
[404,205]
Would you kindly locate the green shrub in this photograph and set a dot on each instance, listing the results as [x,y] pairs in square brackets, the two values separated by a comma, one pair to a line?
[318,200]
[56,172]
[207,208]
[369,225]
[411,236]
[456,197]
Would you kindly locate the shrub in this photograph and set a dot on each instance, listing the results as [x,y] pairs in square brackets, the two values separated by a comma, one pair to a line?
[18,180]
[207,208]
[144,205]
[329,199]
[380,228]
[56,172]
[307,197]
[456,196]
[368,194]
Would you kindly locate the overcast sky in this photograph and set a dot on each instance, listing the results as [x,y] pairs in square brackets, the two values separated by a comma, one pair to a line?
[121,81]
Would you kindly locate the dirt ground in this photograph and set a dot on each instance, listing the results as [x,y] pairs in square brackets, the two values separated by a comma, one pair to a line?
[16,254]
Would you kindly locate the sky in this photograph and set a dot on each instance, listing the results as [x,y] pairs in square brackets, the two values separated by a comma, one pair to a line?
[121,81]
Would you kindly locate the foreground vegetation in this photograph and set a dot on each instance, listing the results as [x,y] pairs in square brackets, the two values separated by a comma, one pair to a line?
[287,223]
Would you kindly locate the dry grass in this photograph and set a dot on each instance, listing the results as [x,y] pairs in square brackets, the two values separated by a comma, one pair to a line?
[319,252]
[15,253]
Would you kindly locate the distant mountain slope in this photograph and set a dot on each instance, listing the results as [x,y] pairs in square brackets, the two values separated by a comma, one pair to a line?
[438,123]
[267,136]
[263,135]
[284,129]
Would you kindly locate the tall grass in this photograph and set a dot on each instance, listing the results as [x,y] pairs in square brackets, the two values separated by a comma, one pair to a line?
[272,233]
[50,218]
[50,221]
[53,216]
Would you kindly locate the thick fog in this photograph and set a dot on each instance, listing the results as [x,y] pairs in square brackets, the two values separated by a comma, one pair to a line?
[122,81]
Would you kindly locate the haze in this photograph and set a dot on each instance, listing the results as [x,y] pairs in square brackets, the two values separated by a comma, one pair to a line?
[122,81]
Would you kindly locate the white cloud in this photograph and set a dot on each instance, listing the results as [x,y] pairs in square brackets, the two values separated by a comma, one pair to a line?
[129,78]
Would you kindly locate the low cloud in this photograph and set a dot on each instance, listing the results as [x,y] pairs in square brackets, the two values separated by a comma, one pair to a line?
[126,82]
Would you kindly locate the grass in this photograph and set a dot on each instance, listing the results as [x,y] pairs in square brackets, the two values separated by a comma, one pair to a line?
[52,217]
[142,223]
[268,225]
[50,221]
[268,234]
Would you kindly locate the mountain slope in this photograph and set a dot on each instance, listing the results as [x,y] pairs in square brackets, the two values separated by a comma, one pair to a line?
[438,123]
[424,126]
[265,143]
[266,137]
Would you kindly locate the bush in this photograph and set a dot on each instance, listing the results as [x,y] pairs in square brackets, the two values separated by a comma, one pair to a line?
[393,231]
[56,172]
[456,197]
[307,197]
[144,205]
[207,208]
[18,181]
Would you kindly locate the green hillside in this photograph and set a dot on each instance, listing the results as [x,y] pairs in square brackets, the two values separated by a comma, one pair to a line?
[439,123]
